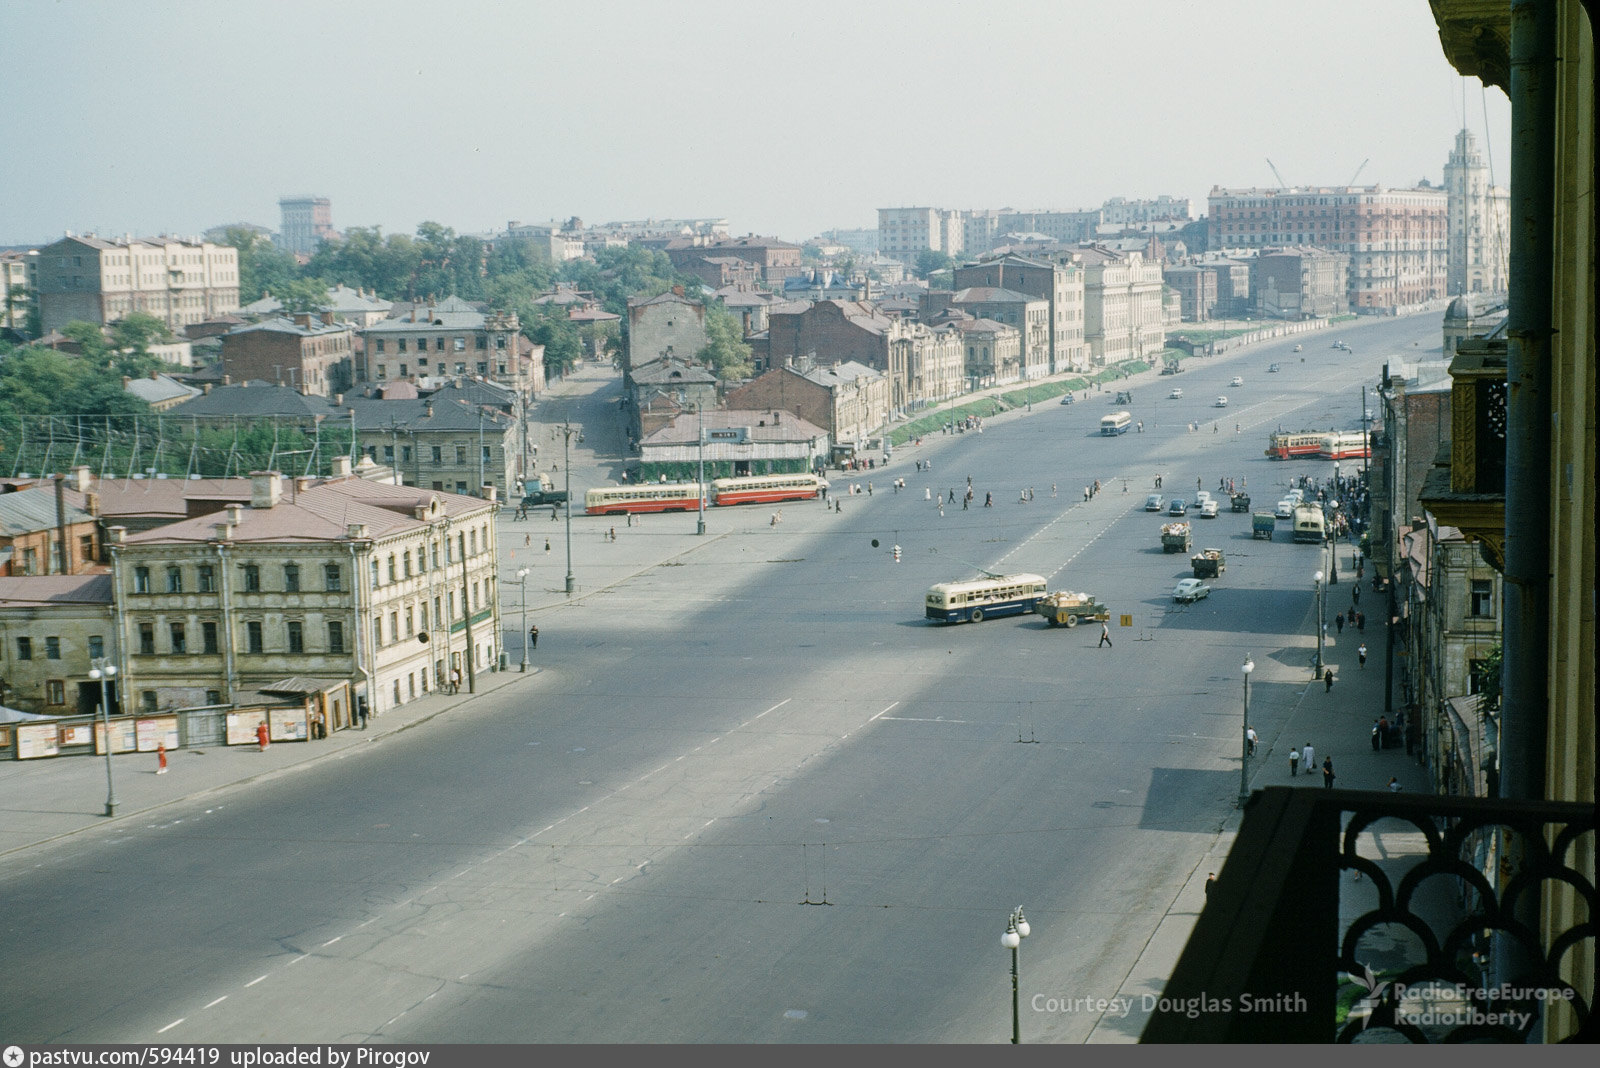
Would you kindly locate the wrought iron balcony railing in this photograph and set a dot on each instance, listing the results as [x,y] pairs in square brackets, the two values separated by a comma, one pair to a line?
[1353,916]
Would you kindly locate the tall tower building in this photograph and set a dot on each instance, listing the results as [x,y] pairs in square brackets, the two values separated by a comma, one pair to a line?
[306,221]
[1479,215]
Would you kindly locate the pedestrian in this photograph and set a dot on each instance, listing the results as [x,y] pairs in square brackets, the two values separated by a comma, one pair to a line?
[547,540]
[1327,772]
[1394,784]
[527,541]
[1294,762]
[533,636]
[988,500]
[1361,621]
[1211,880]
[966,502]
[1355,591]
[1086,493]
[1377,735]
[319,724]
[161,758]
[263,737]
[1251,737]
[455,687]
[1327,678]
[1361,654]
[361,713]
[1338,621]
[927,494]
[952,495]
[1308,756]
[1052,489]
[1105,636]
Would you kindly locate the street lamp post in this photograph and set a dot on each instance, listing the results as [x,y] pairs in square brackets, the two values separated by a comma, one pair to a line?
[1244,752]
[1316,582]
[566,462]
[522,579]
[1016,930]
[104,672]
[1333,546]
[700,485]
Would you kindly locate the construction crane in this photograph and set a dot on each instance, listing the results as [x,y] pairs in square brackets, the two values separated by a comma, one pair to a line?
[1283,185]
[1359,169]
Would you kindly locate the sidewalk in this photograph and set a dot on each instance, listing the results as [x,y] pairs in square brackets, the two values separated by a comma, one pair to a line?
[43,800]
[1338,723]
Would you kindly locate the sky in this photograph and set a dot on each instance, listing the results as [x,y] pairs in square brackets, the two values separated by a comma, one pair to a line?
[166,116]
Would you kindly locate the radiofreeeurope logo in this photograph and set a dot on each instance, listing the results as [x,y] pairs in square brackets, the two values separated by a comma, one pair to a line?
[1374,990]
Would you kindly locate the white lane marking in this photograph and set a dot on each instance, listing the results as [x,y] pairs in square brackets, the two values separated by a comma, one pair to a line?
[254,981]
[170,1026]
[330,941]
[219,1001]
[297,960]
[928,719]
[875,718]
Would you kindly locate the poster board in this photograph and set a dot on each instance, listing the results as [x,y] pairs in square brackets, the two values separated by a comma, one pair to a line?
[35,740]
[123,738]
[288,724]
[152,732]
[78,734]
[242,727]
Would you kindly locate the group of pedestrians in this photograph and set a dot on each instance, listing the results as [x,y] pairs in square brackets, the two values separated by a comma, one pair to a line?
[1307,754]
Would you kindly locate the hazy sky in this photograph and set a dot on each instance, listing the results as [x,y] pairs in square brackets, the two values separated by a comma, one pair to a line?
[784,118]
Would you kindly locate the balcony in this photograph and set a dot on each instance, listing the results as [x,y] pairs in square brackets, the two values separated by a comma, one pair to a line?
[1467,490]
[1354,916]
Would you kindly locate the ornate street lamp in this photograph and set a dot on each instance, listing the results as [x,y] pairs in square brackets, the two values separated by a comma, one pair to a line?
[1016,930]
[1244,752]
[104,672]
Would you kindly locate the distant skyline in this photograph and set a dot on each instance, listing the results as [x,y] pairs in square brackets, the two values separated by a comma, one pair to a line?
[174,117]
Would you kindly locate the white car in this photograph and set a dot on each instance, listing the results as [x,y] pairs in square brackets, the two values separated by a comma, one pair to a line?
[1209,509]
[1285,509]
[1154,503]
[1222,402]
[1176,394]
[1238,380]
[1189,590]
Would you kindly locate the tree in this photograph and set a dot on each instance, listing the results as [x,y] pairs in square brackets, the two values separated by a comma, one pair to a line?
[301,295]
[263,266]
[562,346]
[930,260]
[726,352]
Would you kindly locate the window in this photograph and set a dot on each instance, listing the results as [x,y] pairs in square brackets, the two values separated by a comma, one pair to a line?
[461,454]
[252,631]
[406,562]
[331,577]
[335,637]
[458,344]
[399,344]
[394,626]
[52,648]
[86,546]
[252,578]
[24,648]
[208,637]
[377,576]
[55,692]
[438,455]
[30,565]
[205,578]
[147,700]
[179,643]
[486,449]
[388,450]
[379,347]
[377,631]
[438,344]
[97,646]
[472,536]
[1482,598]
[213,697]
[410,621]
[141,579]
[147,639]
[297,638]
[392,572]
[423,610]
[405,454]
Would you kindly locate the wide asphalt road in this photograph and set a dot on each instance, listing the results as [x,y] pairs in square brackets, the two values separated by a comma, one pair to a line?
[752,796]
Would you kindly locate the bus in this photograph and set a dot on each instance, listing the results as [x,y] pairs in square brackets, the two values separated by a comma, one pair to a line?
[975,600]
[1116,423]
[1345,445]
[657,497]
[765,489]
[1296,444]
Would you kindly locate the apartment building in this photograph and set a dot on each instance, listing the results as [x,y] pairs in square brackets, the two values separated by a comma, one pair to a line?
[667,325]
[450,338]
[17,286]
[53,628]
[314,354]
[1124,316]
[386,587]
[849,400]
[1028,315]
[1301,282]
[177,280]
[1397,240]
[307,221]
[1060,283]
[1478,259]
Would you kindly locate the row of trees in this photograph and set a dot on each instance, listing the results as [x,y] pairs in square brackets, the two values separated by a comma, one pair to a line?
[437,262]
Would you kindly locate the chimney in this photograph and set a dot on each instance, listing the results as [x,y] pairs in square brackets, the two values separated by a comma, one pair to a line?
[356,531]
[227,380]
[235,514]
[224,531]
[427,410]
[91,504]
[266,489]
[206,388]
[154,375]
[80,478]
[341,467]
[490,493]
[338,400]
[118,534]
[125,381]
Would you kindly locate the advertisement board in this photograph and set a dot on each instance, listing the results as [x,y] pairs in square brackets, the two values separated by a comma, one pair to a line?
[157,731]
[36,740]
[288,724]
[123,739]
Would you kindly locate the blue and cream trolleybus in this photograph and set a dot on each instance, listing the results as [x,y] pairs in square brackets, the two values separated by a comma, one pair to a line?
[976,600]
[1116,423]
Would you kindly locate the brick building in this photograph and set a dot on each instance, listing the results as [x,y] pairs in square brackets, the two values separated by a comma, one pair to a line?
[666,325]
[311,354]
[1061,283]
[849,400]
[1196,287]
[1299,283]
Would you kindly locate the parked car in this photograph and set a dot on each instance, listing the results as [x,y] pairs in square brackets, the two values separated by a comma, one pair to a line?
[1202,496]
[1154,503]
[1285,508]
[1066,398]
[1189,590]
[1178,506]
[1297,348]
[1209,509]
[1238,380]
[1222,402]
[1273,368]
[1176,394]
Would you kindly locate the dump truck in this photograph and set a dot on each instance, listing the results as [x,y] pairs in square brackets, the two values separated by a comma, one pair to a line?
[1208,563]
[541,491]
[1175,538]
[1068,609]
[1262,524]
[1241,502]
